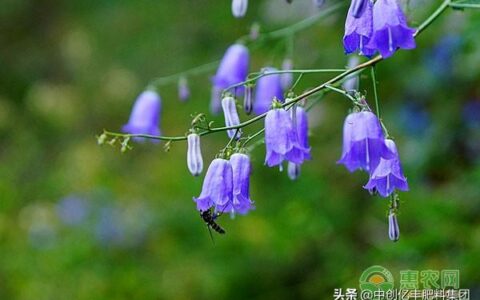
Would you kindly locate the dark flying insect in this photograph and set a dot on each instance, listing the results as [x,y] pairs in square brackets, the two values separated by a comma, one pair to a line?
[209,219]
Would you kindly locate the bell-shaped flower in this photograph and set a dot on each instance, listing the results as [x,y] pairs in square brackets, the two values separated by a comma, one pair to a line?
[145,115]
[233,69]
[231,116]
[390,29]
[281,140]
[393,228]
[268,88]
[239,8]
[363,142]
[194,154]
[388,175]
[241,202]
[359,30]
[217,187]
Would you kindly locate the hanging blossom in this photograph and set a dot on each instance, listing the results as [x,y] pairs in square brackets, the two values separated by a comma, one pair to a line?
[363,142]
[268,88]
[145,114]
[359,28]
[388,175]
[231,116]
[233,69]
[281,139]
[194,154]
[239,8]
[217,189]
[390,29]
[241,202]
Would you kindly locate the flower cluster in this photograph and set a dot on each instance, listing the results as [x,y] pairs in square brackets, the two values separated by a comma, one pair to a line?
[226,186]
[366,148]
[381,27]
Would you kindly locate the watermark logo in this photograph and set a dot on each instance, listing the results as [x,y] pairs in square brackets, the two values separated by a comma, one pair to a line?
[377,283]
[376,278]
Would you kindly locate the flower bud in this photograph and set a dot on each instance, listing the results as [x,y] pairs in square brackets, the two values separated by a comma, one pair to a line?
[247,100]
[231,116]
[393,229]
[239,8]
[194,154]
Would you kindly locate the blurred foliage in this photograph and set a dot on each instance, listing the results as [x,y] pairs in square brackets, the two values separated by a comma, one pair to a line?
[79,221]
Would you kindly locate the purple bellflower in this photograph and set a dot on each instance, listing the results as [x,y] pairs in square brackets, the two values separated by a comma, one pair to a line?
[359,29]
[217,189]
[145,115]
[393,228]
[194,154]
[363,142]
[388,175]
[241,202]
[281,140]
[390,29]
[233,69]
[239,8]
[231,116]
[268,88]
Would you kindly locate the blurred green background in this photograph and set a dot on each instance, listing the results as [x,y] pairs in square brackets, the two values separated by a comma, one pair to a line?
[80,221]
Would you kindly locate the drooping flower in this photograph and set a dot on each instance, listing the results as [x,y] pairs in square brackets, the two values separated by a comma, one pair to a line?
[239,8]
[233,69]
[363,142]
[194,154]
[390,29]
[359,30]
[217,189]
[388,175]
[231,116]
[293,170]
[268,88]
[281,140]
[286,79]
[241,202]
[145,115]
[351,83]
[393,228]
[183,90]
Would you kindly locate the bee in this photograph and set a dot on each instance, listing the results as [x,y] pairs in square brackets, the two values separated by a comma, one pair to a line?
[209,218]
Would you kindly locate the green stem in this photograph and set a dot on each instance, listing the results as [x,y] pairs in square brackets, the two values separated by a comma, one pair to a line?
[375,93]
